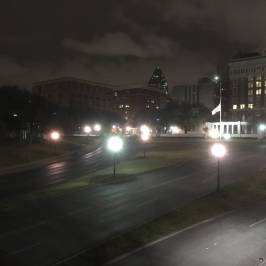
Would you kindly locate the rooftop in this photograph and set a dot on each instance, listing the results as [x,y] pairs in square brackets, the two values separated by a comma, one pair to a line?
[62,79]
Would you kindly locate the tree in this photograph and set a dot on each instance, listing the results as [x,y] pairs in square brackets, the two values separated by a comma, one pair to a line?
[186,116]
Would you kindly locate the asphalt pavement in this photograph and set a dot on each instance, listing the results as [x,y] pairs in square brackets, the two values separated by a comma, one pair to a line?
[48,231]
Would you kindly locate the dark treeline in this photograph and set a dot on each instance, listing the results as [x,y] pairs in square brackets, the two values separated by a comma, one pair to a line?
[22,112]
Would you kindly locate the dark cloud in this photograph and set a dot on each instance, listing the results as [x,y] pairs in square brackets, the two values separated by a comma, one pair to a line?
[121,41]
[121,44]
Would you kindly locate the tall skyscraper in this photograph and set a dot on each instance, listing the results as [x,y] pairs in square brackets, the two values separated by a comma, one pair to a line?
[158,81]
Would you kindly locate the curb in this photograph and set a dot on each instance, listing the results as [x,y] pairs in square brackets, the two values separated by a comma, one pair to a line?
[161,239]
[35,164]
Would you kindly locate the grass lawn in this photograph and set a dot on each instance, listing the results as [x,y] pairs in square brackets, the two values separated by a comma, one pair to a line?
[238,195]
[13,153]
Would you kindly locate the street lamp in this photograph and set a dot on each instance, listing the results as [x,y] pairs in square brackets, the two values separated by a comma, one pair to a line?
[115,144]
[218,150]
[145,138]
[97,127]
[87,129]
[262,127]
[227,136]
[217,79]
[55,137]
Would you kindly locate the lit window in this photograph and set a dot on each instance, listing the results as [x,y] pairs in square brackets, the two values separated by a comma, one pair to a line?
[265,83]
[121,106]
[258,92]
[234,106]
[147,106]
[115,93]
[250,85]
[157,107]
[250,92]
[258,84]
[242,106]
[250,105]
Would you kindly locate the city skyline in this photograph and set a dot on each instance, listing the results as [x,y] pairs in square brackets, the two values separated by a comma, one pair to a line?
[121,43]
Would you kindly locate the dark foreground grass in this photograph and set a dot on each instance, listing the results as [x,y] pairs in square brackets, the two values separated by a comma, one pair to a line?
[238,195]
[12,154]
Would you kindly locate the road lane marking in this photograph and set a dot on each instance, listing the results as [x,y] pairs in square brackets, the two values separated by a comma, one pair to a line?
[164,183]
[257,223]
[24,229]
[141,204]
[15,252]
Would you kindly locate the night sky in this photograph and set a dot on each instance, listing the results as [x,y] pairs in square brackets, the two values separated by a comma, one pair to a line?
[121,42]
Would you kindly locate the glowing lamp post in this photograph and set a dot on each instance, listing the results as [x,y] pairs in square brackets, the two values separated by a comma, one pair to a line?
[97,127]
[87,129]
[55,137]
[115,145]
[145,138]
[218,150]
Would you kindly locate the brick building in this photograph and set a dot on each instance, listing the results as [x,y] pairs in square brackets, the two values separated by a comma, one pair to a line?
[134,101]
[73,92]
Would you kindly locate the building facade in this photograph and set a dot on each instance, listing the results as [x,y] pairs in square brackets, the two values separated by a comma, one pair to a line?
[204,93]
[247,81]
[73,92]
[136,101]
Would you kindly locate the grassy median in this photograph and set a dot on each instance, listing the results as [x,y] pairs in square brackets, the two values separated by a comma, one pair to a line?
[238,195]
[13,154]
[127,169]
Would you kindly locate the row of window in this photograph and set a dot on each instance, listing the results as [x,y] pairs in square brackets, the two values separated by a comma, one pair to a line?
[242,106]
[123,106]
[250,92]
[248,70]
[258,84]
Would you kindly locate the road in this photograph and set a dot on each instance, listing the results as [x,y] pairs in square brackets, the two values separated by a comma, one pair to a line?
[231,240]
[42,233]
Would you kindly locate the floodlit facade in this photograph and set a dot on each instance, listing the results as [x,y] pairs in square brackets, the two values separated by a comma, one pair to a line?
[247,79]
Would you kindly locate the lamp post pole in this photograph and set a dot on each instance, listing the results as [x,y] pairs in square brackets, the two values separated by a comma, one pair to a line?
[115,145]
[114,168]
[218,150]
[220,109]
[218,175]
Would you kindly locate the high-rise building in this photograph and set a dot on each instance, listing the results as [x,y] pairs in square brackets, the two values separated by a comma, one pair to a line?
[203,92]
[158,81]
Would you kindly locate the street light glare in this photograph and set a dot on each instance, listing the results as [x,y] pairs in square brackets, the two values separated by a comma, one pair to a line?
[144,129]
[214,134]
[262,127]
[55,135]
[97,127]
[227,136]
[145,137]
[218,150]
[87,129]
[216,78]
[115,144]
